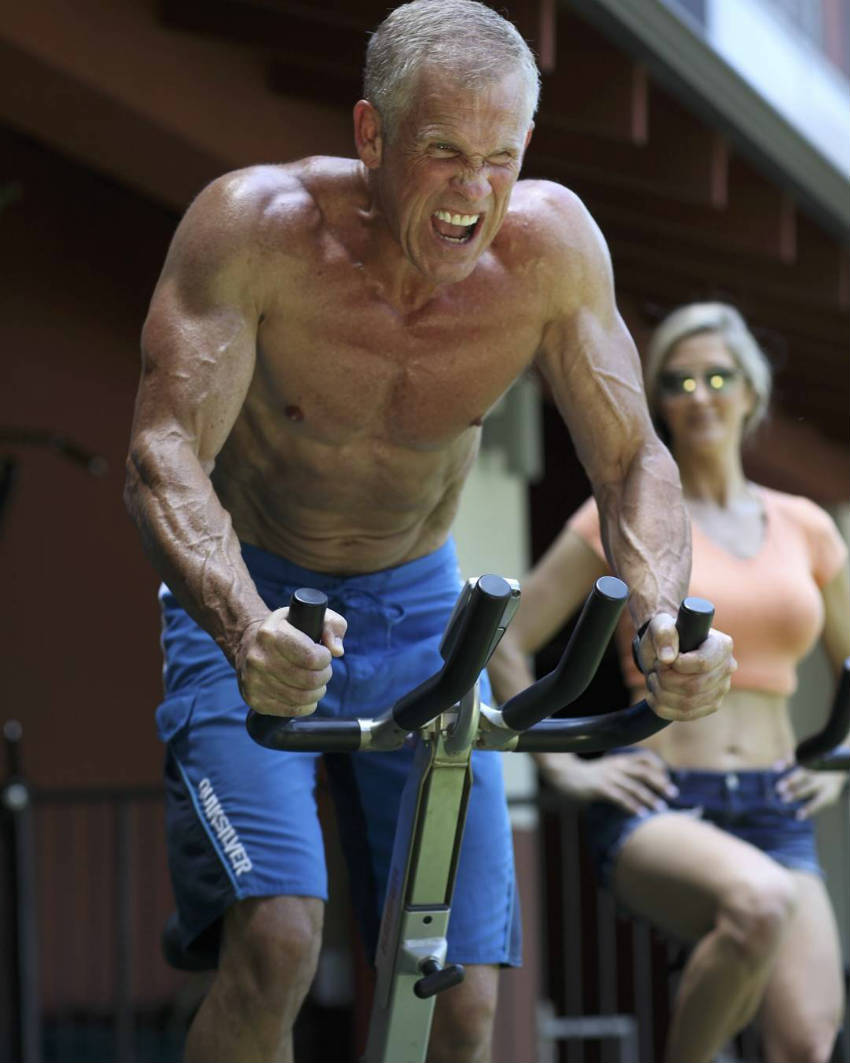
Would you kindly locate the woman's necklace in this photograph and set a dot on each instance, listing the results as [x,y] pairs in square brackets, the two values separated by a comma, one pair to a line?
[738,528]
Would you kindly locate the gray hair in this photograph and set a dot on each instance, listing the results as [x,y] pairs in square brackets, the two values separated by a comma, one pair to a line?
[726,322]
[463,38]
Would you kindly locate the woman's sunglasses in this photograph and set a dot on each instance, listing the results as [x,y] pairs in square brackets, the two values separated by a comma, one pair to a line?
[686,383]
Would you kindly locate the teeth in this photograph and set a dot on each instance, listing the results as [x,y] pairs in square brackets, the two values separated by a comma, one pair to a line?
[456,219]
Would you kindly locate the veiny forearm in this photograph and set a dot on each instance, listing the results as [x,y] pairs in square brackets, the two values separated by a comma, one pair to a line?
[646,532]
[188,535]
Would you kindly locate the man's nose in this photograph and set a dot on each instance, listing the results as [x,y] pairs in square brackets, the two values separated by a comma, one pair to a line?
[471,182]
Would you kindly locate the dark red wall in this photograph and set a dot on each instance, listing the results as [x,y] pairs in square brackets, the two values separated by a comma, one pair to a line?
[82,669]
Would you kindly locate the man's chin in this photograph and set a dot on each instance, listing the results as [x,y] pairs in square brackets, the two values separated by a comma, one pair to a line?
[448,272]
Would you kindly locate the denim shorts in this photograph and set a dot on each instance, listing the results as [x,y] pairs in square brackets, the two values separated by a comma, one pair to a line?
[746,804]
[242,820]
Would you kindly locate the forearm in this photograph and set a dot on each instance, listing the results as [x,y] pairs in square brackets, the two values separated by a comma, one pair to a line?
[189,537]
[646,532]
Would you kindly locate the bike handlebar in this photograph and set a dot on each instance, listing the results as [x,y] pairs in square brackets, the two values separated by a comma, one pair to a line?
[823,751]
[480,616]
[589,734]
[471,636]
[584,651]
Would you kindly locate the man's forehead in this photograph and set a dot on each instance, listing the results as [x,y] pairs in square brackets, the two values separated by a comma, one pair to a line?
[444,105]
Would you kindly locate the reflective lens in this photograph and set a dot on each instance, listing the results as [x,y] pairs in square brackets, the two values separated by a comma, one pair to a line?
[717,379]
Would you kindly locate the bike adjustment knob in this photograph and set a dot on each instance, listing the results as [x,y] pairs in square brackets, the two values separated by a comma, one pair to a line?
[437,978]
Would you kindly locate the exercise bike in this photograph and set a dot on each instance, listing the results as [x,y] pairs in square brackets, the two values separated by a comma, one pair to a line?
[445,720]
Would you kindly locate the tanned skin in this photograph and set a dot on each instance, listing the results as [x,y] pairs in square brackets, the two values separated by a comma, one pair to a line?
[318,361]
[320,351]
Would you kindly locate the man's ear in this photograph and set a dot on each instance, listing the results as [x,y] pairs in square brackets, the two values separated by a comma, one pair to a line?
[528,137]
[367,134]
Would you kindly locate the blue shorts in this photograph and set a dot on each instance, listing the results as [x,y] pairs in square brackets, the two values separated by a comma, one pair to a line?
[743,803]
[242,819]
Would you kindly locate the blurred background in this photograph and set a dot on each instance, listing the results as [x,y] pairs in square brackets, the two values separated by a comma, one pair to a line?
[711,141]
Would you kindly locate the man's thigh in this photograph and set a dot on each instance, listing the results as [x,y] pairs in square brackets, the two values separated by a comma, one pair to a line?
[241,819]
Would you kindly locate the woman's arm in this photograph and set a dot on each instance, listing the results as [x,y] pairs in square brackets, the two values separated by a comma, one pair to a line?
[836,627]
[551,593]
[819,789]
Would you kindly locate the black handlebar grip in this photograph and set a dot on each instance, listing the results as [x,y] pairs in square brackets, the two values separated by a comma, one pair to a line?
[823,751]
[304,735]
[624,727]
[578,662]
[466,651]
[307,611]
[693,623]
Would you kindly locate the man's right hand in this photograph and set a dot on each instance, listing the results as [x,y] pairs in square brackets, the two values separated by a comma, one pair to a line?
[281,671]
[637,782]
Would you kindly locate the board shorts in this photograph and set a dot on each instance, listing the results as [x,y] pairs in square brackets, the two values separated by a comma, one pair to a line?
[745,804]
[242,819]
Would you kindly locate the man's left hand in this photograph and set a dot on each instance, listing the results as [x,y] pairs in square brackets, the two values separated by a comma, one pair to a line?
[684,686]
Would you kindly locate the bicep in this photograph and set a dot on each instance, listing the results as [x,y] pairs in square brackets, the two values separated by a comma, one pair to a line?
[199,337]
[197,366]
[554,589]
[591,363]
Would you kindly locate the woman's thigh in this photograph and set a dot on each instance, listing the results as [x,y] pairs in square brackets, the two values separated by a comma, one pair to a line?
[675,868]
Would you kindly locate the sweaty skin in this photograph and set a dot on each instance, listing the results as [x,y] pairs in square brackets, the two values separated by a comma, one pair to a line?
[320,351]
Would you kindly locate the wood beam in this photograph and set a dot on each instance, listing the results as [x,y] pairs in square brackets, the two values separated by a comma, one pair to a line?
[266,23]
[94,128]
[759,219]
[791,454]
[823,261]
[537,21]
[666,272]
[162,111]
[594,87]
[683,159]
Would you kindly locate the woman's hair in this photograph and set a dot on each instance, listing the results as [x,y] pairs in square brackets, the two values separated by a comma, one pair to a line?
[727,323]
[463,38]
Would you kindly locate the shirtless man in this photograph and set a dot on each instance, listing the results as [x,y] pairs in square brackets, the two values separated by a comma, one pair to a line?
[321,348]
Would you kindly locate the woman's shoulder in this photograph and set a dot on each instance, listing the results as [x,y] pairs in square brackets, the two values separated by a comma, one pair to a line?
[817,527]
[797,508]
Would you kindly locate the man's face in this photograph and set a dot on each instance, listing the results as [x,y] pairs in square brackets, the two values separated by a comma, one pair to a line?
[447,173]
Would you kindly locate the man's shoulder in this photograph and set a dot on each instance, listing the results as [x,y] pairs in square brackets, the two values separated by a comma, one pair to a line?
[290,196]
[548,223]
[547,202]
[553,216]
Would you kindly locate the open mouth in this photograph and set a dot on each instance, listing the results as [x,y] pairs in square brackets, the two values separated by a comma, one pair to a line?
[455,228]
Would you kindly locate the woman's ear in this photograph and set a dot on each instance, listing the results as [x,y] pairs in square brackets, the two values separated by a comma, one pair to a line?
[368,138]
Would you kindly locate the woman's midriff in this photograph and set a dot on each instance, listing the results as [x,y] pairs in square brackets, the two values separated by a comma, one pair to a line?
[751,729]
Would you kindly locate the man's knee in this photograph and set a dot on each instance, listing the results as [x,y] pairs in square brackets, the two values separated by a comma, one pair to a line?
[463,1018]
[270,948]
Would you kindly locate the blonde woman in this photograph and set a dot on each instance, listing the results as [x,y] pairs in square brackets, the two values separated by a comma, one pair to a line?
[705,828]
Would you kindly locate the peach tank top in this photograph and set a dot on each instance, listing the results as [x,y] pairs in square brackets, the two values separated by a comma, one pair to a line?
[769,603]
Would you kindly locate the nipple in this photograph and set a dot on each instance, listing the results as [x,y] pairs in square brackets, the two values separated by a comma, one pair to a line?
[294,413]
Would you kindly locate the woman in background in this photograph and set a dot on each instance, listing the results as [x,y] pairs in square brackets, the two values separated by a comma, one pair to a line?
[705,828]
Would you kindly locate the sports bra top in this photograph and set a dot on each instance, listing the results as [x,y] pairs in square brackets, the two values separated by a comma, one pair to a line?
[769,603]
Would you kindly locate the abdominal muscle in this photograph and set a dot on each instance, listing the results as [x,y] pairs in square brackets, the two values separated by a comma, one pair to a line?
[751,730]
[359,508]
